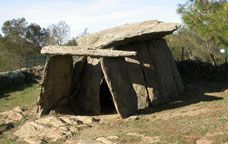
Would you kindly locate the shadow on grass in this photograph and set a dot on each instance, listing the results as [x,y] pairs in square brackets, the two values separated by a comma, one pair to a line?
[193,94]
[5,93]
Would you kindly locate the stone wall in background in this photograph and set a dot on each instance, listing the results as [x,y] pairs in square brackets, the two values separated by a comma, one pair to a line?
[192,70]
[189,70]
[19,77]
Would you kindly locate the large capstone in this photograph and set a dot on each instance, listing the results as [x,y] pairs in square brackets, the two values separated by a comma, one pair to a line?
[127,33]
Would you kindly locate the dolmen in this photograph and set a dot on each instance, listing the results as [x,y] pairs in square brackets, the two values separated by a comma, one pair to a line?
[131,64]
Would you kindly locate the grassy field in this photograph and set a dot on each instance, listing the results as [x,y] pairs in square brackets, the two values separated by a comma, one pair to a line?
[200,116]
[25,95]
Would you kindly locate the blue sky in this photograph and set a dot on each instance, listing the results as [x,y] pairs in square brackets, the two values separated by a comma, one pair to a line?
[92,14]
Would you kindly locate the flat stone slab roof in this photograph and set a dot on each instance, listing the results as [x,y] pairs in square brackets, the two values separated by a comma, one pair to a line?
[127,33]
[75,50]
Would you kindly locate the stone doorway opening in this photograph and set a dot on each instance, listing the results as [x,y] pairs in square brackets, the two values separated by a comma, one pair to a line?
[106,100]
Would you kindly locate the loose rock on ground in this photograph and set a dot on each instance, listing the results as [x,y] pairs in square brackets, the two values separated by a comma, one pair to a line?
[53,128]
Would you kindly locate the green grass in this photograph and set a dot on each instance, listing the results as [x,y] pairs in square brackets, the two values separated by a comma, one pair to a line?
[25,95]
[176,129]
[170,123]
[5,140]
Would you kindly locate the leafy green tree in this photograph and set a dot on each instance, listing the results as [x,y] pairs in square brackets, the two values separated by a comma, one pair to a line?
[20,40]
[15,27]
[37,35]
[209,19]
[186,44]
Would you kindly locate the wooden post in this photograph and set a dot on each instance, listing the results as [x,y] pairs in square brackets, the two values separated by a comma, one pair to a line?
[182,53]
[226,56]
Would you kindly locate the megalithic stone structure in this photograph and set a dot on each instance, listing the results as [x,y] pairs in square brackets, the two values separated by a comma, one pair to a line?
[133,60]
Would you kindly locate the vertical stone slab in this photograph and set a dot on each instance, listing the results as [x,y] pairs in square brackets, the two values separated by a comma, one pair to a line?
[141,73]
[116,76]
[136,77]
[175,72]
[153,72]
[78,70]
[88,97]
[152,82]
[56,84]
[162,59]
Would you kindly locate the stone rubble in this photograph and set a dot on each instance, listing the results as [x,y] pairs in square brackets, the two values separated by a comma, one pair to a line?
[104,140]
[9,118]
[145,139]
[12,116]
[53,128]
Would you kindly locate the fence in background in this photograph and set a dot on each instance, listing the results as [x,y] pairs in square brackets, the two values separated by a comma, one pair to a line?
[31,71]
[198,70]
[20,77]
[33,61]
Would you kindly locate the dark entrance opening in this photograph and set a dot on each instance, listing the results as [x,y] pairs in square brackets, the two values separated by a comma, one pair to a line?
[106,101]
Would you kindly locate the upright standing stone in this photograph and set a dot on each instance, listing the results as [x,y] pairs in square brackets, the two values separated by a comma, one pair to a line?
[116,76]
[167,85]
[56,84]
[136,76]
[88,97]
[78,69]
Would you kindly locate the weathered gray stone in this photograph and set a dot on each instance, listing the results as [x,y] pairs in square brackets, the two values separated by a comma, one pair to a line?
[80,141]
[126,33]
[5,127]
[34,140]
[12,116]
[175,72]
[53,128]
[113,137]
[88,98]
[136,77]
[77,51]
[35,131]
[148,70]
[124,96]
[136,74]
[70,120]
[135,82]
[87,119]
[152,72]
[79,67]
[169,87]
[56,84]
[51,121]
[132,118]
[104,140]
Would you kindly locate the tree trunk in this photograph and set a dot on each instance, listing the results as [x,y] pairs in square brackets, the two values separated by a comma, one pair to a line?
[213,58]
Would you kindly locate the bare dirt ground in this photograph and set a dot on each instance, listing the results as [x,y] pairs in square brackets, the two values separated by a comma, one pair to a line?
[200,116]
